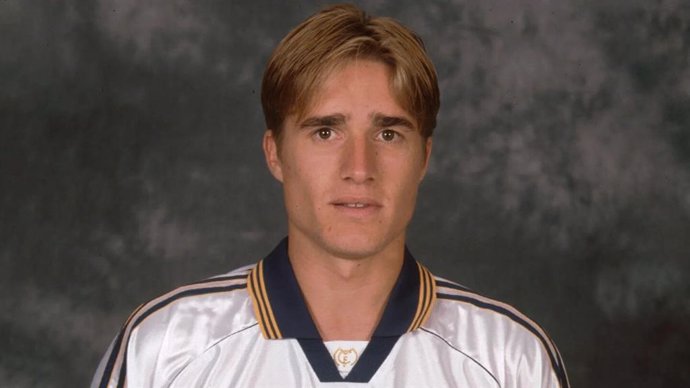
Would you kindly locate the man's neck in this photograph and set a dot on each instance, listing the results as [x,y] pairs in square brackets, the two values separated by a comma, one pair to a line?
[346,297]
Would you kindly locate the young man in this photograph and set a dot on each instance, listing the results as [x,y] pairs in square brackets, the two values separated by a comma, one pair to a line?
[350,105]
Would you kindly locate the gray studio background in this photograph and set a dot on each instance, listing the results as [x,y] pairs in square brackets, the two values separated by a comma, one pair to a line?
[130,163]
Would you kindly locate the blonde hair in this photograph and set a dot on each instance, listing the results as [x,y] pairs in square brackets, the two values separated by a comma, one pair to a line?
[331,38]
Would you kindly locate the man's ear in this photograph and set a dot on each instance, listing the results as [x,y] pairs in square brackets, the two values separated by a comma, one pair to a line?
[427,156]
[270,146]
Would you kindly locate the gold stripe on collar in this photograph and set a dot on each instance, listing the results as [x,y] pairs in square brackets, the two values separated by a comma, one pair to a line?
[271,317]
[427,297]
[256,300]
[420,302]
[261,304]
[431,284]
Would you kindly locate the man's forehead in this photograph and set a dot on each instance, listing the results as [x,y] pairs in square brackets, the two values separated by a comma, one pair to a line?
[311,111]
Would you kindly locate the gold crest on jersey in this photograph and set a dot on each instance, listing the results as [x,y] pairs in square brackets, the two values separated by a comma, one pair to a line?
[345,357]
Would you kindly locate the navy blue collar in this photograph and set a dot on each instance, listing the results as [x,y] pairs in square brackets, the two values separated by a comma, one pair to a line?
[281,311]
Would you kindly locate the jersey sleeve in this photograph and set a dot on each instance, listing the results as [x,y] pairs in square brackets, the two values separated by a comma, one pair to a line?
[98,376]
[535,369]
[534,362]
[133,360]
[162,336]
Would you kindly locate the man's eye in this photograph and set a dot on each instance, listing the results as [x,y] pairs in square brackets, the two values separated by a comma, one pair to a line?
[324,133]
[388,135]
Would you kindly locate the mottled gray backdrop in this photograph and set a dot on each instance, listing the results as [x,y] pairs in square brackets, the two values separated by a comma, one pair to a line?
[130,163]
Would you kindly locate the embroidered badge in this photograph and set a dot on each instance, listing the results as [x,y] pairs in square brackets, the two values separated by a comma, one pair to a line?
[345,357]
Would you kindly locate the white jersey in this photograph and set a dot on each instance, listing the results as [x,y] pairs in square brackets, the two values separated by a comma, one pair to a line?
[251,328]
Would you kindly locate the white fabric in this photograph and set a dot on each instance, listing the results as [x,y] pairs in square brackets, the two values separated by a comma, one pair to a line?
[191,338]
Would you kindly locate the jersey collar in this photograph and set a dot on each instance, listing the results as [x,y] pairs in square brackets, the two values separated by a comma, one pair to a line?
[281,310]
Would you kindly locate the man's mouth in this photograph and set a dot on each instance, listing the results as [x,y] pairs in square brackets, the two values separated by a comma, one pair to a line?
[353,205]
[356,203]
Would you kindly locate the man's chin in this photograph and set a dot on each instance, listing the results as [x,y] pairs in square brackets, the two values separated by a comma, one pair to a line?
[354,247]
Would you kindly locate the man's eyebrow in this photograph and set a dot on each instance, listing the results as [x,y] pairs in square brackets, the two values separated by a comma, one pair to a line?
[382,121]
[323,121]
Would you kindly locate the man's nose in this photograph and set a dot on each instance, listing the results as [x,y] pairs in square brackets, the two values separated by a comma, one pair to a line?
[359,160]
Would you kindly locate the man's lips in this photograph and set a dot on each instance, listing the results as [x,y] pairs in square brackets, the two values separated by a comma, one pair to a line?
[356,203]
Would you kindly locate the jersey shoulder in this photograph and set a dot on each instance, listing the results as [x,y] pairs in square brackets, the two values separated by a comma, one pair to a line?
[494,333]
[180,325]
[220,292]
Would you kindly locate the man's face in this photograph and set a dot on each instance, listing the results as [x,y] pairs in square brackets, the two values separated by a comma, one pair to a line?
[351,167]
